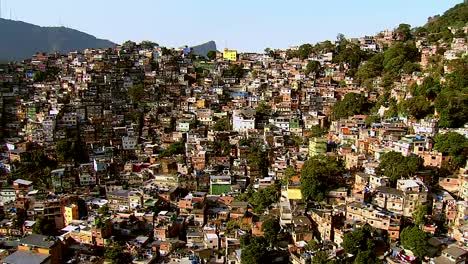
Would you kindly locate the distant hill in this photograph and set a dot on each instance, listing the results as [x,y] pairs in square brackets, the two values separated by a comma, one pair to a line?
[21,40]
[203,49]
[436,29]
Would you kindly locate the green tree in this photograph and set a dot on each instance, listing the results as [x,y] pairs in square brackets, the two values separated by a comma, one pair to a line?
[270,228]
[211,54]
[321,257]
[255,251]
[430,88]
[313,245]
[232,225]
[174,149]
[453,144]
[312,67]
[358,240]
[403,32]
[222,124]
[263,109]
[317,131]
[365,257]
[397,55]
[39,76]
[352,104]
[319,175]
[304,51]
[258,160]
[146,44]
[234,71]
[395,166]
[44,227]
[415,240]
[419,215]
[289,172]
[452,107]
[417,107]
[371,119]
[116,254]
[136,92]
[103,210]
[371,68]
[265,197]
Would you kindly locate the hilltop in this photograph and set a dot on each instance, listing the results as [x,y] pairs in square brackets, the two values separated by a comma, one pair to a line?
[21,40]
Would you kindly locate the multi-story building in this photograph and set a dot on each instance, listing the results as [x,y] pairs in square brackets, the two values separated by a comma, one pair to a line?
[230,55]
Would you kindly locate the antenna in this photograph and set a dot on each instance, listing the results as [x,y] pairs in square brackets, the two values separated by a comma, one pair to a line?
[0,8]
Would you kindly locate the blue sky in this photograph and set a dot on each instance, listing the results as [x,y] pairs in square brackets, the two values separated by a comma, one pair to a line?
[246,25]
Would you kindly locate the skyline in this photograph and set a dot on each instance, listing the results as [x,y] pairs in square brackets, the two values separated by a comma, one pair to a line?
[245,26]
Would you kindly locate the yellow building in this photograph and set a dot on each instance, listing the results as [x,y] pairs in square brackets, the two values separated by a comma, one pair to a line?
[71,213]
[200,103]
[317,146]
[230,54]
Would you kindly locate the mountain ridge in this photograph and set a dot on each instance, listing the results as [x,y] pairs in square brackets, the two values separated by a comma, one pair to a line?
[21,40]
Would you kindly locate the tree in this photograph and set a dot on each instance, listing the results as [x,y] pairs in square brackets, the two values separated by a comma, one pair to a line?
[312,67]
[44,227]
[352,104]
[453,144]
[371,119]
[174,149]
[129,45]
[265,197]
[419,215]
[415,240]
[39,76]
[304,51]
[312,245]
[317,131]
[263,109]
[403,32]
[289,172]
[234,71]
[257,160]
[417,107]
[270,228]
[255,251]
[397,55]
[146,44]
[358,240]
[211,54]
[232,225]
[365,257]
[103,210]
[371,68]
[395,166]
[116,254]
[321,257]
[222,124]
[319,175]
[430,88]
[136,92]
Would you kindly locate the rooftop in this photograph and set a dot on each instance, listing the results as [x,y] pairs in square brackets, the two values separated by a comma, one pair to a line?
[26,257]
[38,241]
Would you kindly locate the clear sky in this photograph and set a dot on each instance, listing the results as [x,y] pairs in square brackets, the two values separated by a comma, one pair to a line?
[246,25]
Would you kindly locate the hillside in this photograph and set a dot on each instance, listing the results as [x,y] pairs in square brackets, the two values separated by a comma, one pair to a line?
[203,49]
[20,40]
[437,27]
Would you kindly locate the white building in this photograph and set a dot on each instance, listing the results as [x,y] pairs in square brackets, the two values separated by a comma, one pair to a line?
[243,120]
[129,143]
